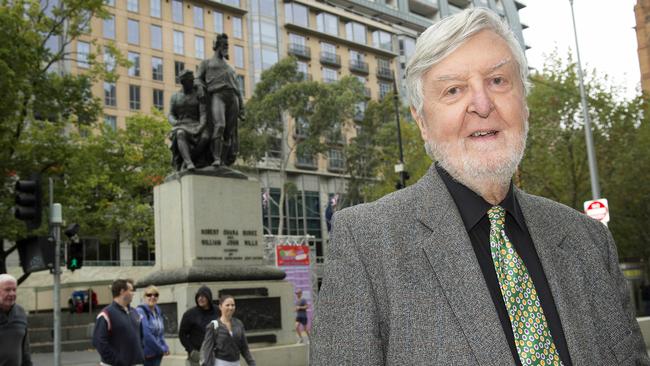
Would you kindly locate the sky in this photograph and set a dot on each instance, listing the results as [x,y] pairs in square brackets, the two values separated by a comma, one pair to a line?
[606,36]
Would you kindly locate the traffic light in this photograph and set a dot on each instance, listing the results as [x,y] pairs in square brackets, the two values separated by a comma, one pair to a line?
[28,201]
[75,255]
[75,247]
[36,253]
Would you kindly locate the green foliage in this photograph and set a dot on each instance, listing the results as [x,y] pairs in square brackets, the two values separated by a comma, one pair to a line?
[282,94]
[555,164]
[371,156]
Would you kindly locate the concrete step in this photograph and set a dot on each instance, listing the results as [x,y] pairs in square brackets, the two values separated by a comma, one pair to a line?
[68,333]
[45,320]
[66,346]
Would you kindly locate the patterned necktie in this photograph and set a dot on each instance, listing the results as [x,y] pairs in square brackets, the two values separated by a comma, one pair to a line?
[532,337]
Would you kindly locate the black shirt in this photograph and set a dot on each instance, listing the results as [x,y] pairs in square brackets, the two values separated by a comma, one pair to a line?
[473,210]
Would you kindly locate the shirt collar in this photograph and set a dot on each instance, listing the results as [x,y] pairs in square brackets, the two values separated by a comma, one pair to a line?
[473,207]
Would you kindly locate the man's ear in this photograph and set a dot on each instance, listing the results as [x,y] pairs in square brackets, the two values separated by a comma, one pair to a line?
[421,123]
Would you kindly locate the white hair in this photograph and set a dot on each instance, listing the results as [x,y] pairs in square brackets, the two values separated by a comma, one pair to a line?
[445,36]
[6,277]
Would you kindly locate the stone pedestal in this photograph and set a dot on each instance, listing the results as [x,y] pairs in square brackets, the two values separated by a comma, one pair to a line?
[208,221]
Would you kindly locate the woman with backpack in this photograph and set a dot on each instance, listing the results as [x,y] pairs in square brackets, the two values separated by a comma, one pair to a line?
[153,328]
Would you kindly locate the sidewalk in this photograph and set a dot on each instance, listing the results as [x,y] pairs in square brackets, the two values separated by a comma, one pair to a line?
[79,358]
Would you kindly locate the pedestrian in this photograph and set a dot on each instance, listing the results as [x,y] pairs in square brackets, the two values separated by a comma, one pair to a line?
[301,315]
[14,337]
[117,336]
[462,267]
[225,338]
[193,323]
[153,328]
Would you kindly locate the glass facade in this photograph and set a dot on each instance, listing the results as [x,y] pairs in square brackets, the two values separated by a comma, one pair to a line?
[327,23]
[297,14]
[154,8]
[179,47]
[157,68]
[355,32]
[264,42]
[83,50]
[133,32]
[134,69]
[156,37]
[109,27]
[134,97]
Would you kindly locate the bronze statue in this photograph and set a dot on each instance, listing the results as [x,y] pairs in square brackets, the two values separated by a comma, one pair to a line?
[218,89]
[190,134]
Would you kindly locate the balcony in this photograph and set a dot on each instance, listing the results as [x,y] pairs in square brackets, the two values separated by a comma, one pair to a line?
[332,59]
[425,8]
[306,162]
[359,66]
[385,73]
[300,51]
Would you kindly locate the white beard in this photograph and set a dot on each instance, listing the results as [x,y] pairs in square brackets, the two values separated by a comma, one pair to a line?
[477,175]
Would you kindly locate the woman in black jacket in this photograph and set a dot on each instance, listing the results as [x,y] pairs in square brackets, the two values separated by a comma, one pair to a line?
[225,339]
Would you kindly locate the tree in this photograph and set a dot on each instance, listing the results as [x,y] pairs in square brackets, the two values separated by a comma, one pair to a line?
[555,164]
[39,102]
[319,110]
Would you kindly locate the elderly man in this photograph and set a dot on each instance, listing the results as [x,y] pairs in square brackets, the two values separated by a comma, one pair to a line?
[14,340]
[463,268]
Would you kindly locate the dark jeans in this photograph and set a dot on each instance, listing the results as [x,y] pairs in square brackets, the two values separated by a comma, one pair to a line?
[153,361]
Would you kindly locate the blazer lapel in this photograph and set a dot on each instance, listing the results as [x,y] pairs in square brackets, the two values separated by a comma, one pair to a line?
[563,271]
[452,259]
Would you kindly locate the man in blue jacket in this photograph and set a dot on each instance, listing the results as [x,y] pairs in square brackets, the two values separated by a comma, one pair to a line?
[118,334]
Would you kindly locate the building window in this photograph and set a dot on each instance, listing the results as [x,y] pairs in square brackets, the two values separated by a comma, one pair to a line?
[237,28]
[239,56]
[197,13]
[109,60]
[156,37]
[407,47]
[241,84]
[355,32]
[234,3]
[133,31]
[384,89]
[329,75]
[296,14]
[132,5]
[327,23]
[134,58]
[110,121]
[199,47]
[335,160]
[109,2]
[306,160]
[109,94]
[218,22]
[178,42]
[303,70]
[109,27]
[178,68]
[269,58]
[157,68]
[154,8]
[177,11]
[83,49]
[134,97]
[158,99]
[383,40]
[267,28]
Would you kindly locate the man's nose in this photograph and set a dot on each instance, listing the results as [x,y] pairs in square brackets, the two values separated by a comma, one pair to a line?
[480,103]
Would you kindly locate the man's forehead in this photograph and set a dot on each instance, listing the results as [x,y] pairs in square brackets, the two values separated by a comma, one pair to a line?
[456,72]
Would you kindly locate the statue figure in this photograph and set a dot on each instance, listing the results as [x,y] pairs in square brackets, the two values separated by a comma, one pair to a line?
[218,89]
[190,134]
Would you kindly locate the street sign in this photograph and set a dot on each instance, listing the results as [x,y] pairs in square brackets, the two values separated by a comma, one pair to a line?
[598,209]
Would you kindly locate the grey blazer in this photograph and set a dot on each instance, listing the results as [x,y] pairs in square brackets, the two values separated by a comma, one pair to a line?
[402,286]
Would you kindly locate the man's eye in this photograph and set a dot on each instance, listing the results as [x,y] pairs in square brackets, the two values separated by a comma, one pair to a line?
[498,80]
[453,91]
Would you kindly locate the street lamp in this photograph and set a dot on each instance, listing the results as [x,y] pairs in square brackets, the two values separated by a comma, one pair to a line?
[591,155]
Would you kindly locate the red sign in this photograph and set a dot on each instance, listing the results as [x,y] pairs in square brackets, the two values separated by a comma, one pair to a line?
[597,209]
[292,255]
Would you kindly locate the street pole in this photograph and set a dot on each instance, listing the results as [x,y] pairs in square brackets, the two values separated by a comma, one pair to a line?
[56,219]
[591,155]
[399,168]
